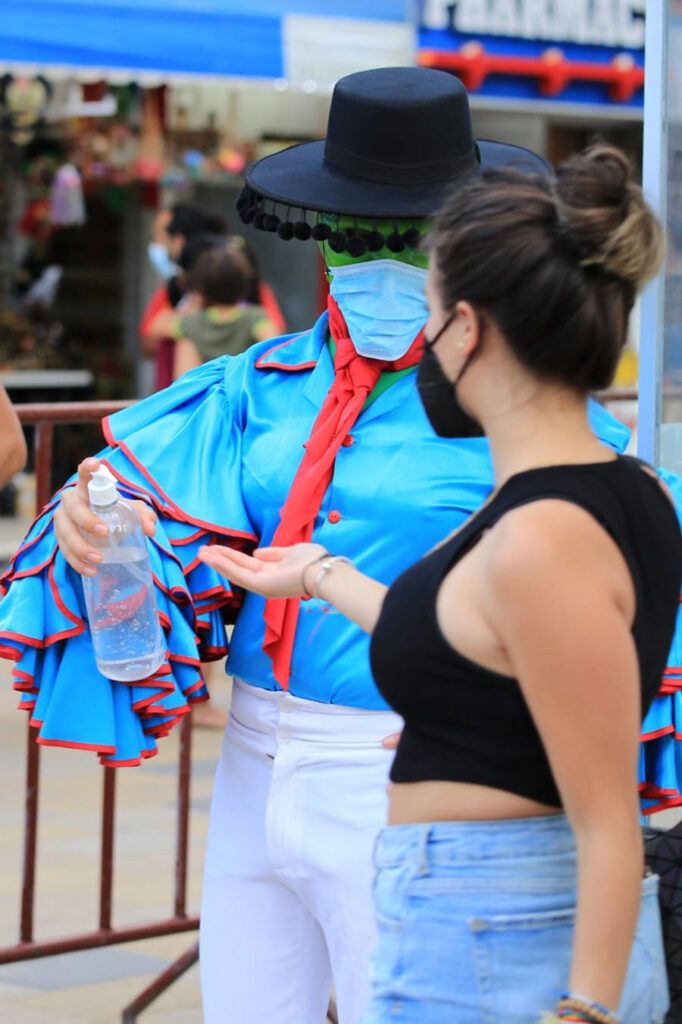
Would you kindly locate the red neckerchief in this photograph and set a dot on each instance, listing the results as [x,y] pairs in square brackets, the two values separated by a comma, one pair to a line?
[354,380]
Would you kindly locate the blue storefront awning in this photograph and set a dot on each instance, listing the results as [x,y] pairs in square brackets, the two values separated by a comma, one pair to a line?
[242,38]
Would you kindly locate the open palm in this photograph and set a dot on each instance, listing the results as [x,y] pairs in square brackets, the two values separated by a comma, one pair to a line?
[272,572]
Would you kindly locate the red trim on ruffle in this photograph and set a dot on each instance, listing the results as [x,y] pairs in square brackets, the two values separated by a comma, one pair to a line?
[176,593]
[25,687]
[180,541]
[196,686]
[214,606]
[10,653]
[219,652]
[183,517]
[650,791]
[184,659]
[98,748]
[22,574]
[203,595]
[32,641]
[109,762]
[657,733]
[146,702]
[66,612]
[665,805]
[260,365]
[34,540]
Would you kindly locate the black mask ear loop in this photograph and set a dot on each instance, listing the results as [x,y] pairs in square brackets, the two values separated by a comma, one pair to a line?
[467,361]
[429,343]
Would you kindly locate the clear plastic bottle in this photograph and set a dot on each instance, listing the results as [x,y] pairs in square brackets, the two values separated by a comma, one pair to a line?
[121,603]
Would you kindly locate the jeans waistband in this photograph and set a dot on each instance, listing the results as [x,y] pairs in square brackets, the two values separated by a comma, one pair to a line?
[266,710]
[461,842]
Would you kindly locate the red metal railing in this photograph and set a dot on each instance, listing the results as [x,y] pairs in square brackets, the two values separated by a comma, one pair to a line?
[44,418]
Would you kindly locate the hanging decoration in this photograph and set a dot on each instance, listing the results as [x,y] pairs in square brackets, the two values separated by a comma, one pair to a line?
[67,208]
[23,102]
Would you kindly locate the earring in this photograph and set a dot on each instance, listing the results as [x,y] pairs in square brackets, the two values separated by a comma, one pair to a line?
[460,344]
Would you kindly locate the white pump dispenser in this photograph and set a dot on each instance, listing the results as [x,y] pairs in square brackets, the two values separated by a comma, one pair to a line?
[102,488]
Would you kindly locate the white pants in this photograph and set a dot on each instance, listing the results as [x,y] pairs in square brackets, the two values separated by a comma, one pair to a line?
[299,796]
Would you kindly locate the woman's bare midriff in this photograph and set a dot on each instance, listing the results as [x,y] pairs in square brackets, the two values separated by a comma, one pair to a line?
[413,803]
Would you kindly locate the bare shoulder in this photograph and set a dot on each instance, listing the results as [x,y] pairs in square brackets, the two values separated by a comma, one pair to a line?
[546,543]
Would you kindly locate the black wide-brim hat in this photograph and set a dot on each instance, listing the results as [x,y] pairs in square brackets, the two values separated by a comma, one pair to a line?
[398,141]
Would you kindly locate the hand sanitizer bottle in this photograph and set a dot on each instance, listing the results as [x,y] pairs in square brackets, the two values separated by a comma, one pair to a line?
[120,599]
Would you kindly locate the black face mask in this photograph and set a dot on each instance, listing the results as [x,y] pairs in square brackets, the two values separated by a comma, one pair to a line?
[439,397]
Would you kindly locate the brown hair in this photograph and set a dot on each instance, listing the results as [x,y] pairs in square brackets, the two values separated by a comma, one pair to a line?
[221,275]
[555,262]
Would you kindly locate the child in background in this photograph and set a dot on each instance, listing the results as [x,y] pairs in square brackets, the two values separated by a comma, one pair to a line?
[226,324]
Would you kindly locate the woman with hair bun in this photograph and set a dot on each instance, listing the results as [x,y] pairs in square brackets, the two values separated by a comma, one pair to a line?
[523,651]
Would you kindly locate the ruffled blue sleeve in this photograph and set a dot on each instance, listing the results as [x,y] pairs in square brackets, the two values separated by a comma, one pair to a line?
[660,755]
[180,451]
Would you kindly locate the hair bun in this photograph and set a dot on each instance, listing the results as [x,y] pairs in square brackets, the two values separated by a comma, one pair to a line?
[603,215]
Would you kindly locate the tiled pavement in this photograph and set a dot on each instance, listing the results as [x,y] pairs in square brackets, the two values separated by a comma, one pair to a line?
[92,987]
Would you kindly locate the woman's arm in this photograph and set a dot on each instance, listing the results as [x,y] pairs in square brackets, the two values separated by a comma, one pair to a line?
[186,357]
[299,570]
[561,600]
[13,451]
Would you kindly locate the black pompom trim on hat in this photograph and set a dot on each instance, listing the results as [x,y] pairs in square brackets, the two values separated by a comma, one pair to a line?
[302,230]
[338,241]
[256,209]
[375,241]
[394,242]
[356,246]
[412,237]
[321,231]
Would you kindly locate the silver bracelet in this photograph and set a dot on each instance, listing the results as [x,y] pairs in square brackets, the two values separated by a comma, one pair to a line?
[326,565]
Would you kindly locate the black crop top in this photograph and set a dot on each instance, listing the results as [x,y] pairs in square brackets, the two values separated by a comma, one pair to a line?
[467,723]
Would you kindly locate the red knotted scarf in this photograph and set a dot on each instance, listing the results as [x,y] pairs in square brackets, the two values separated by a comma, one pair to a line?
[354,380]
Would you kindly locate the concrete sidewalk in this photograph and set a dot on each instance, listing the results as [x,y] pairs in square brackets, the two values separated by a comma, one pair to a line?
[92,987]
[12,530]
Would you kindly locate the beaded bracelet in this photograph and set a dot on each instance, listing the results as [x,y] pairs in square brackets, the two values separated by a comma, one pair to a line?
[551,1018]
[564,1016]
[591,1010]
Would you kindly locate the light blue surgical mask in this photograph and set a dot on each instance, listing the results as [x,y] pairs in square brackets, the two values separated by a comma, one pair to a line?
[383,303]
[161,261]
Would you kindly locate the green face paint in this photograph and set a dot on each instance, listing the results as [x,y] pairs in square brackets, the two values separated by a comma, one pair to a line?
[343,259]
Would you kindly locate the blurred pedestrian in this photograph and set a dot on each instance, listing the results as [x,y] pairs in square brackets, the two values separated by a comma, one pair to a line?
[226,323]
[173,230]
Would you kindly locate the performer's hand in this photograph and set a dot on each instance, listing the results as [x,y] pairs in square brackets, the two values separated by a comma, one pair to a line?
[74,521]
[272,572]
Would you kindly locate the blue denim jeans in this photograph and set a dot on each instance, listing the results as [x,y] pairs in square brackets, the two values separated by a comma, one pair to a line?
[476,925]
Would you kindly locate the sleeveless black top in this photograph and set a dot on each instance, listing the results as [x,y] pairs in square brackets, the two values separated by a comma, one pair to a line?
[467,723]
